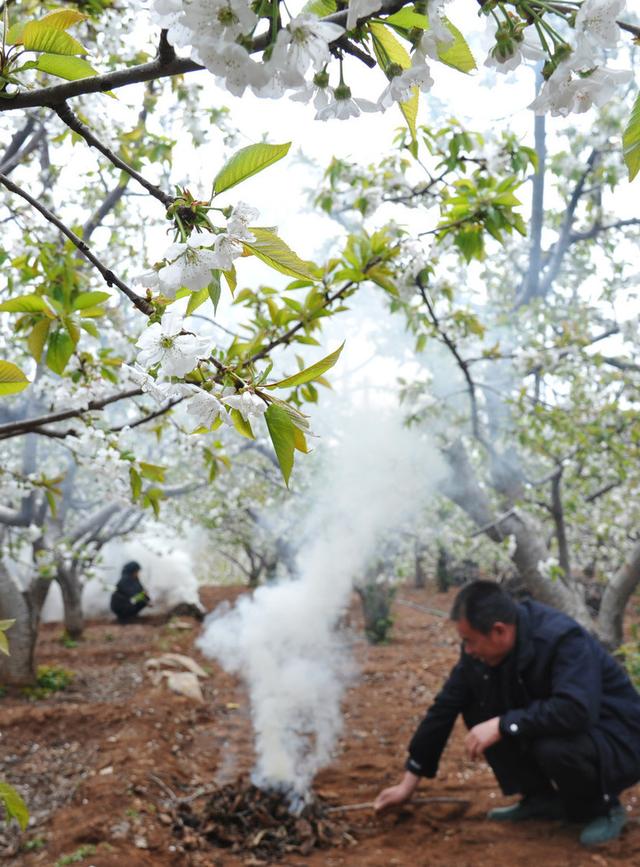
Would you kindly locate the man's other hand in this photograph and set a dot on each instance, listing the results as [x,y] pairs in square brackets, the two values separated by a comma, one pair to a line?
[482,736]
[395,796]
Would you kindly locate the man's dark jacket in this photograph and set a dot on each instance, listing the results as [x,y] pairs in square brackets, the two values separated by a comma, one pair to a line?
[128,588]
[557,681]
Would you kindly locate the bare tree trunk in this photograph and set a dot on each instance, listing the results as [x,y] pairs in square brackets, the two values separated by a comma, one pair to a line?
[420,574]
[17,669]
[463,488]
[615,598]
[72,599]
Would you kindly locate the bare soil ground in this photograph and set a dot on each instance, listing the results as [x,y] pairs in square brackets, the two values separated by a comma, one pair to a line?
[102,764]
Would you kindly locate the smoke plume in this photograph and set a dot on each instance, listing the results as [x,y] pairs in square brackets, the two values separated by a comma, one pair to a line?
[283,639]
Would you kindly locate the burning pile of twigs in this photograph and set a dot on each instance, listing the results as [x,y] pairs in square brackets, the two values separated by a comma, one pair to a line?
[245,819]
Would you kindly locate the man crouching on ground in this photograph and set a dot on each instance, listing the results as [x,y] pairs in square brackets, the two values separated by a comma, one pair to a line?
[554,715]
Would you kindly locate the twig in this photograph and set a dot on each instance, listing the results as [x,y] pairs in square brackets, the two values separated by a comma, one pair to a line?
[164,787]
[109,277]
[437,611]
[435,799]
[74,123]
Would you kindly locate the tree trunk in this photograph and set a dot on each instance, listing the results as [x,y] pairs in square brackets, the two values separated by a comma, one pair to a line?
[615,598]
[463,488]
[17,669]
[420,574]
[72,599]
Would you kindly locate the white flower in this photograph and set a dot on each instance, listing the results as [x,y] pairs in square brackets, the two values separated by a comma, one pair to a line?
[359,9]
[521,51]
[596,22]
[319,94]
[164,345]
[149,279]
[310,40]
[248,404]
[563,94]
[400,87]
[227,249]
[238,222]
[438,36]
[160,390]
[233,64]
[344,105]
[206,409]
[190,265]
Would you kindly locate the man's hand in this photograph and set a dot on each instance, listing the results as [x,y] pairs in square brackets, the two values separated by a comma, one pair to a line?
[482,736]
[394,796]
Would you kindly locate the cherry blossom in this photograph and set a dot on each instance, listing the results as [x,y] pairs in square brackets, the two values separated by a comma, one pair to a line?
[164,344]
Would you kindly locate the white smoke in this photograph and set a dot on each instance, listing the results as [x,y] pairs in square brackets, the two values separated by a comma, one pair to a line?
[282,640]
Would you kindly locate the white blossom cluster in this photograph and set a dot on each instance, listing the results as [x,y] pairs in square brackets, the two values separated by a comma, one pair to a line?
[216,32]
[222,35]
[580,82]
[190,264]
[170,352]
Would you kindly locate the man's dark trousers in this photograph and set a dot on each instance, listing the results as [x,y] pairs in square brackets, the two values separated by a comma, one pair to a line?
[568,765]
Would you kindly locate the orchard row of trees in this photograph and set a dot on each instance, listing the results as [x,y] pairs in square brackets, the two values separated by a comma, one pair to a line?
[117,355]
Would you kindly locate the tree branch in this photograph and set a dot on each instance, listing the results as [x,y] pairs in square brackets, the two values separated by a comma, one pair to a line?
[19,428]
[109,277]
[73,122]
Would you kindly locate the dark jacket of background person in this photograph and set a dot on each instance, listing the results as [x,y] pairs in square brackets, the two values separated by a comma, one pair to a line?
[129,597]
[558,680]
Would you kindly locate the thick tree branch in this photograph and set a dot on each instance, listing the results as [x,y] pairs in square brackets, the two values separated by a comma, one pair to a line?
[19,428]
[109,277]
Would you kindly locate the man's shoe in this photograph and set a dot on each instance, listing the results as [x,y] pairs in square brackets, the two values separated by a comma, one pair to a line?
[604,828]
[530,807]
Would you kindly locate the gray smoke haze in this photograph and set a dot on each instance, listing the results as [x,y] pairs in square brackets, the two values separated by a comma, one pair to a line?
[282,640]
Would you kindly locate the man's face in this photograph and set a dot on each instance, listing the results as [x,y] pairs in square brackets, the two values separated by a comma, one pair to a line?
[491,648]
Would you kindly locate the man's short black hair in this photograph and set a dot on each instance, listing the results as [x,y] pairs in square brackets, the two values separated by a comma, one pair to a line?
[483,603]
[131,568]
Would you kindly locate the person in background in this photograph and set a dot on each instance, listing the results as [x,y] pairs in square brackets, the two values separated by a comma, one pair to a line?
[129,597]
[554,715]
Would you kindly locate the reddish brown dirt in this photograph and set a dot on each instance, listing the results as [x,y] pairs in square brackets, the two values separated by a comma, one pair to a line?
[100,763]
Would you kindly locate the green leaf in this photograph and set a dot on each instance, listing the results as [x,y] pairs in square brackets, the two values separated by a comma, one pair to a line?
[154,472]
[231,278]
[631,141]
[273,250]
[38,337]
[14,806]
[457,53]
[321,8]
[136,482]
[89,299]
[12,379]
[25,304]
[4,644]
[62,19]
[241,425]
[214,289]
[38,36]
[59,351]
[310,373]
[247,162]
[70,68]
[283,437]
[407,19]
[196,299]
[389,50]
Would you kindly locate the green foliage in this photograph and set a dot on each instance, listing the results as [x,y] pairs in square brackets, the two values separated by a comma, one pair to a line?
[12,379]
[49,679]
[389,51]
[67,641]
[247,162]
[282,433]
[272,250]
[310,373]
[82,852]
[631,141]
[4,644]
[14,806]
